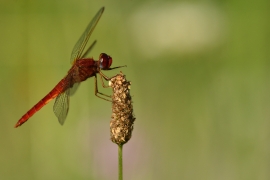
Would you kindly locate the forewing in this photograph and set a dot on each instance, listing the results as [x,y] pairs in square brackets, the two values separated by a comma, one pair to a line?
[89,49]
[61,106]
[81,43]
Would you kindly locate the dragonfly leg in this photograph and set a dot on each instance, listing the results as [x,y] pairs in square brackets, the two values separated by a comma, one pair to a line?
[105,86]
[104,76]
[99,93]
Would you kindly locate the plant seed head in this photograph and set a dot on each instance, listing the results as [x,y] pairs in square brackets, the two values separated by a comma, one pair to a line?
[122,118]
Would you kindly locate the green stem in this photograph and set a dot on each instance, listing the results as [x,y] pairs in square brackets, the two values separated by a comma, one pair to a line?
[120,162]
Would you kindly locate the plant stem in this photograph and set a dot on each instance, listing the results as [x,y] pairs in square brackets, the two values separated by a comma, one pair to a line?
[120,162]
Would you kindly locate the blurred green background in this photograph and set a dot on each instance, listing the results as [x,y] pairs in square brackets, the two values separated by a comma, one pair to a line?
[200,86]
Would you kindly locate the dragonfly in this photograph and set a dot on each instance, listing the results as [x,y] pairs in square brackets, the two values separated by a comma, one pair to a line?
[82,69]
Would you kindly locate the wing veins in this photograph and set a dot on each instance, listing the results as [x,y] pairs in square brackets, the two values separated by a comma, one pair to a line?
[81,43]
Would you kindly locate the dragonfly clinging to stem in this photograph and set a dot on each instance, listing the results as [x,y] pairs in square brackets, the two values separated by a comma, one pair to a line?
[82,69]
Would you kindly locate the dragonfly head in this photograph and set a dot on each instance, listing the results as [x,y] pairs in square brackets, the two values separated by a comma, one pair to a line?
[105,61]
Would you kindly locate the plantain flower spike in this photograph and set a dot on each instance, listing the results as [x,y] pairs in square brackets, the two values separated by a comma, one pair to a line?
[122,118]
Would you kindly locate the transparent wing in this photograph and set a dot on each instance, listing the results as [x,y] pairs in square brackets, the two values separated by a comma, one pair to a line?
[74,89]
[89,49]
[61,106]
[80,45]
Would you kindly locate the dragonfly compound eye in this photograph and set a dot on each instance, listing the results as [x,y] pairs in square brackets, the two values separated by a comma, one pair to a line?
[105,61]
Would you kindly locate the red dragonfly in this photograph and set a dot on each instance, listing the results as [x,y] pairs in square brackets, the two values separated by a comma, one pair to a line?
[82,68]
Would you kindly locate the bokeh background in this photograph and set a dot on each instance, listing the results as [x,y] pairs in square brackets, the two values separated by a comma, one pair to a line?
[200,86]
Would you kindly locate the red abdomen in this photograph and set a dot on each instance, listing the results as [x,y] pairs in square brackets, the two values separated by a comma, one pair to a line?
[58,89]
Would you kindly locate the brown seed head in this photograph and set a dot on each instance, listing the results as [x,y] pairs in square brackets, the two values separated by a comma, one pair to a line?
[121,124]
